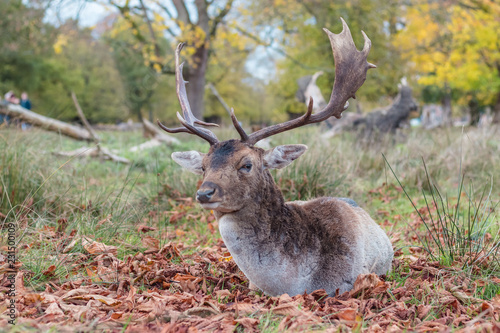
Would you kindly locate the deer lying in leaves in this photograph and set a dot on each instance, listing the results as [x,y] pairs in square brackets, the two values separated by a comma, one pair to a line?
[285,247]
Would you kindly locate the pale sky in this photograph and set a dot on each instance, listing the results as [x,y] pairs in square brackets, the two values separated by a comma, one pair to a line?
[88,13]
[261,64]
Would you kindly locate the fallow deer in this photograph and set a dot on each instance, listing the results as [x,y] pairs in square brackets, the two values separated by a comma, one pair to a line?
[285,247]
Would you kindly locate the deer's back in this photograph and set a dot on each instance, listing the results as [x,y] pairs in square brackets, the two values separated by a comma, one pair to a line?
[347,242]
[324,243]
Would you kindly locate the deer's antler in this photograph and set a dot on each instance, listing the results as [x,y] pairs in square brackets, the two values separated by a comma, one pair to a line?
[189,120]
[350,74]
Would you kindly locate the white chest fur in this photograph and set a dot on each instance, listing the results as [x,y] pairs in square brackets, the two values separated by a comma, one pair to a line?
[261,262]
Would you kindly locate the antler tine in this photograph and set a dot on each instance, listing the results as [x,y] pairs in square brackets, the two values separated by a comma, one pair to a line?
[241,131]
[350,74]
[173,130]
[201,132]
[189,119]
[180,86]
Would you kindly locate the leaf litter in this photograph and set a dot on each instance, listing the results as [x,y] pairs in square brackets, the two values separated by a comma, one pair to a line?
[190,288]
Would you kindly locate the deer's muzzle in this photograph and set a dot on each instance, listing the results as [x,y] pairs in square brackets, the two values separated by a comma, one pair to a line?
[204,196]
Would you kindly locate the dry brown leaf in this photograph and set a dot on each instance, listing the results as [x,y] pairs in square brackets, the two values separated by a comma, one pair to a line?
[94,247]
[291,308]
[20,289]
[285,298]
[144,228]
[32,298]
[103,299]
[487,306]
[62,223]
[105,220]
[201,311]
[368,284]
[54,310]
[70,246]
[184,277]
[319,294]
[150,243]
[246,308]
[116,315]
[49,231]
[423,310]
[222,293]
[50,271]
[176,216]
[78,292]
[346,314]
[247,323]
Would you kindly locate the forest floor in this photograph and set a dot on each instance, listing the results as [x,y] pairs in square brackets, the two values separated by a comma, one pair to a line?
[102,246]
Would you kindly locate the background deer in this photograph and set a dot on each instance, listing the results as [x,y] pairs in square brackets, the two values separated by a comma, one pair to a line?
[286,247]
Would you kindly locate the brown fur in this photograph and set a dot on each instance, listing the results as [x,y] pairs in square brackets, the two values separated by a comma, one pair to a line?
[321,241]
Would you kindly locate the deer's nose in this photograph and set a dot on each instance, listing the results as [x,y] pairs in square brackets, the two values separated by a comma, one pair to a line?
[204,196]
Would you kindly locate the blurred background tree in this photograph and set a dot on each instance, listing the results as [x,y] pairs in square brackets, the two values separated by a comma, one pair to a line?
[454,46]
[296,26]
[252,52]
[194,23]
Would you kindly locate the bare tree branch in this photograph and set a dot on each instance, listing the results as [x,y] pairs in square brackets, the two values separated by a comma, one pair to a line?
[203,19]
[219,97]
[150,28]
[124,11]
[170,16]
[279,50]
[84,119]
[182,13]
[218,19]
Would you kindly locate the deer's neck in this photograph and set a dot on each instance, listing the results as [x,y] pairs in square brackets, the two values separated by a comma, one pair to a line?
[258,238]
[261,210]
[259,226]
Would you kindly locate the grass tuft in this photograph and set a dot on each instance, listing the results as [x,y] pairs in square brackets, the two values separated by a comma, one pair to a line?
[460,230]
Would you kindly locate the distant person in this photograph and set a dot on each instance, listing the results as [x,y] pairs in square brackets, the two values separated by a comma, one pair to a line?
[8,95]
[3,118]
[11,97]
[25,101]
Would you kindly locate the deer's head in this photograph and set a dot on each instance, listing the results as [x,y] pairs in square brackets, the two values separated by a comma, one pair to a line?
[234,170]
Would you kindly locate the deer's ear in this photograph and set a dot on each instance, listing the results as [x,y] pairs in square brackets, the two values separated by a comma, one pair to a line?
[190,160]
[281,156]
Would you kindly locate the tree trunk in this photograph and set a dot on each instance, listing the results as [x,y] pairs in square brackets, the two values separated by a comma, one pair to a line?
[474,111]
[50,124]
[496,111]
[196,77]
[447,106]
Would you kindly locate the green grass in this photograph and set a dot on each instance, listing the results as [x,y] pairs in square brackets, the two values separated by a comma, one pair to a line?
[106,201]
[461,229]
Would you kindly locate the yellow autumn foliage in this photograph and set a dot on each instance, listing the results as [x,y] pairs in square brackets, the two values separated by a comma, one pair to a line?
[454,45]
[61,41]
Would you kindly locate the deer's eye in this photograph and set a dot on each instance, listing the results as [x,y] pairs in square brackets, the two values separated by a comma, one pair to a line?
[202,169]
[246,168]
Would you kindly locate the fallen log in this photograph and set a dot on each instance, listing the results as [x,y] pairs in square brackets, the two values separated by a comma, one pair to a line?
[378,122]
[35,119]
[146,145]
[157,137]
[94,152]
